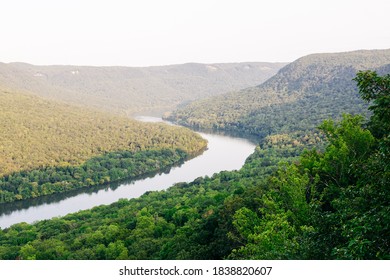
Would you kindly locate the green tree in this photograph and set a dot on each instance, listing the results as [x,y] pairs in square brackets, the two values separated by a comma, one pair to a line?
[376,89]
[352,196]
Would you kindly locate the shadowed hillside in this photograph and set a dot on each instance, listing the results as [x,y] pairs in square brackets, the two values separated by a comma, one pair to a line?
[299,97]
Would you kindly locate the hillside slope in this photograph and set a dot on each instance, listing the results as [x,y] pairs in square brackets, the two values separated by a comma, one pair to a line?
[298,97]
[48,147]
[35,132]
[322,205]
[131,90]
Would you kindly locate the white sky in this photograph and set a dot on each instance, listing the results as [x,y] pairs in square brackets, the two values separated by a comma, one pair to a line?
[159,32]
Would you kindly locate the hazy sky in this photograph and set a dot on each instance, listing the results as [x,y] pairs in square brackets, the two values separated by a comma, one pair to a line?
[157,32]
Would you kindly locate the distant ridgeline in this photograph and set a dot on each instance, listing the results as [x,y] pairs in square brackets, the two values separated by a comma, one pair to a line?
[130,90]
[322,205]
[298,98]
[285,203]
[48,147]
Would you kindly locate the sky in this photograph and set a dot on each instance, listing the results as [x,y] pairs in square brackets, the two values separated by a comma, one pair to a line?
[161,32]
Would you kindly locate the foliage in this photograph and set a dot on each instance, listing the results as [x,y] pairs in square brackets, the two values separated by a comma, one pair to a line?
[99,170]
[187,221]
[332,204]
[298,98]
[48,147]
[329,203]
[376,89]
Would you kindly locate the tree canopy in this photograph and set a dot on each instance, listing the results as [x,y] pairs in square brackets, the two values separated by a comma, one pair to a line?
[48,147]
[328,203]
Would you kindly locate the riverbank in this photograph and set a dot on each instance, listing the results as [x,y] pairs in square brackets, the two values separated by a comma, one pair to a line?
[223,153]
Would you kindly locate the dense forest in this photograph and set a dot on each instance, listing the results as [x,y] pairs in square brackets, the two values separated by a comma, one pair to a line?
[48,147]
[298,98]
[330,201]
[131,90]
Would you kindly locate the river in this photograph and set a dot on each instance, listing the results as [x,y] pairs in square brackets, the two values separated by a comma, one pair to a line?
[223,153]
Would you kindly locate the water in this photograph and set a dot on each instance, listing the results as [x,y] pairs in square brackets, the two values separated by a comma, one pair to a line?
[223,153]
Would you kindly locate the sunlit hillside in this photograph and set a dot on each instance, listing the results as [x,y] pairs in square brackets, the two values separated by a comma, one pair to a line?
[35,133]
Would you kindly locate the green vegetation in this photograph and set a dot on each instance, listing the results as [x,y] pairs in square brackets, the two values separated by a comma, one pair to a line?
[331,203]
[302,95]
[47,147]
[131,90]
[99,170]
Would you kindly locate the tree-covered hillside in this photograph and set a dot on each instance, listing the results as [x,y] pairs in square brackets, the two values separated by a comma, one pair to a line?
[298,98]
[131,90]
[43,142]
[317,204]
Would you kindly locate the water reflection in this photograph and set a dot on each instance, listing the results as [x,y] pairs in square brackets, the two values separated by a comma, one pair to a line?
[8,208]
[223,153]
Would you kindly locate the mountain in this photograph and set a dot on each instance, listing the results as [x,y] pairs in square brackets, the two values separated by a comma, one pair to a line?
[299,97]
[132,90]
[283,204]
[324,205]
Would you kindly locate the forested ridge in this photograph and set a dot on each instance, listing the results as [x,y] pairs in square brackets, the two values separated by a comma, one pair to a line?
[287,202]
[131,90]
[48,147]
[298,98]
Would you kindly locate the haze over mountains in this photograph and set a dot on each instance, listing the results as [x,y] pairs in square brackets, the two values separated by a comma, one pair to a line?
[130,90]
[256,98]
[299,97]
[302,194]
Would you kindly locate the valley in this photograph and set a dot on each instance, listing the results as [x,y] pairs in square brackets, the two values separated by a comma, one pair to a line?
[133,91]
[315,187]
[297,99]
